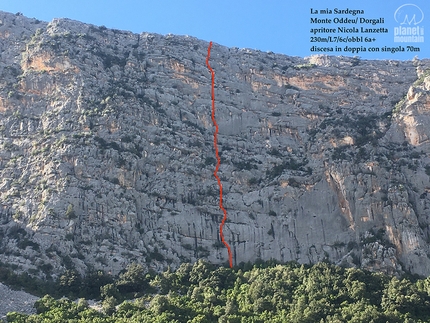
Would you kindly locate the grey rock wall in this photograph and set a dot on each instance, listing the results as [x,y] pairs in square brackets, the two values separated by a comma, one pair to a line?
[106,153]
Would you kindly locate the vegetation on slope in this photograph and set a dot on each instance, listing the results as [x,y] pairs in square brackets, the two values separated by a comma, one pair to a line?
[266,292]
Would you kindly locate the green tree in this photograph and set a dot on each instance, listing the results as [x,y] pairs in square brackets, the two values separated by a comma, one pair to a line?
[110,290]
[108,305]
[133,279]
[362,311]
[159,304]
[82,304]
[15,317]
[45,304]
[231,307]
[201,270]
[70,283]
[70,212]
[402,296]
[267,292]
[93,281]
[167,281]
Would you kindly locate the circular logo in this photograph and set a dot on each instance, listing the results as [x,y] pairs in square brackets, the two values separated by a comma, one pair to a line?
[409,14]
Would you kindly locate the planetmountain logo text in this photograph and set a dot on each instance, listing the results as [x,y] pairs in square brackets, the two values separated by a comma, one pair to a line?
[409,17]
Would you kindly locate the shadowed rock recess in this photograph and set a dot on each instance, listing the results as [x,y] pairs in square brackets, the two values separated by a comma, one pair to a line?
[107,153]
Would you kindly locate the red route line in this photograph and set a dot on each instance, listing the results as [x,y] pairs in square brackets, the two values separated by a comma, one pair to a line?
[230,258]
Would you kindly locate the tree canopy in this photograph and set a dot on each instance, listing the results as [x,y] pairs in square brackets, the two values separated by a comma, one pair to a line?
[204,293]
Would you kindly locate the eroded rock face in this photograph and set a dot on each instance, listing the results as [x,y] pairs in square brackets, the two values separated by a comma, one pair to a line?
[107,153]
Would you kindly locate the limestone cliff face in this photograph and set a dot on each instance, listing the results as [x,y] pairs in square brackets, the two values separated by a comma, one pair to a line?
[107,153]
